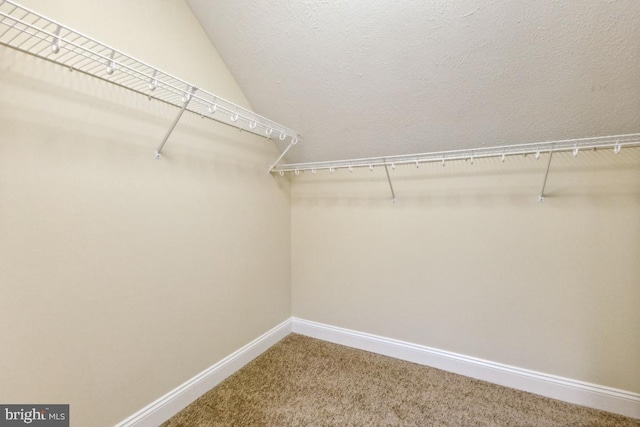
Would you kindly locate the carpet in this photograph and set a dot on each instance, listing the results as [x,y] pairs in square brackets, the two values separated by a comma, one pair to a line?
[302,381]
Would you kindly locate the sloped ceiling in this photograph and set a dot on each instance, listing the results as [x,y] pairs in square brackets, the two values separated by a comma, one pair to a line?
[363,78]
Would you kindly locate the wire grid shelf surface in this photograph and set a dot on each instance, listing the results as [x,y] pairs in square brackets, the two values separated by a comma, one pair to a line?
[616,142]
[29,32]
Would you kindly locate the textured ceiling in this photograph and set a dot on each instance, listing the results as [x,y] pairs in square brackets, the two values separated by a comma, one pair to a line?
[363,78]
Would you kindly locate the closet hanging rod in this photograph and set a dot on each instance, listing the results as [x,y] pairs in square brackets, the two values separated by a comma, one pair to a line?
[616,142]
[29,32]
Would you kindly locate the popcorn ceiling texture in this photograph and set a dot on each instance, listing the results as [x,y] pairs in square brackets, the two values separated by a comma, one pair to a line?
[366,78]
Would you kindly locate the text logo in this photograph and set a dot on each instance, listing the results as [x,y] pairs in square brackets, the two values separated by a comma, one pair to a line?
[34,415]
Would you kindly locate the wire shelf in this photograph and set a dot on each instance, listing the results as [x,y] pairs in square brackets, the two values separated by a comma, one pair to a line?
[29,32]
[615,142]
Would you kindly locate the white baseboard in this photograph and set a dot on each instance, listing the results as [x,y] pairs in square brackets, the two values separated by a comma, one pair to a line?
[565,389]
[581,393]
[177,399]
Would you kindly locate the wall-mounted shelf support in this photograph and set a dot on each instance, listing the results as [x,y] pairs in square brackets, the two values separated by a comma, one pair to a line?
[393,194]
[187,98]
[546,174]
[32,33]
[293,142]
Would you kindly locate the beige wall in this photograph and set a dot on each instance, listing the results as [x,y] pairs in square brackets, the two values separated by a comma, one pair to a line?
[469,261]
[122,276]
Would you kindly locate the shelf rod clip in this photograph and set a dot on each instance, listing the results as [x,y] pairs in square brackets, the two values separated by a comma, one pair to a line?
[55,46]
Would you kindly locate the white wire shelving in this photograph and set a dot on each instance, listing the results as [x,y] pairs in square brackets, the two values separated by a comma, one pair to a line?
[32,33]
[613,142]
[616,142]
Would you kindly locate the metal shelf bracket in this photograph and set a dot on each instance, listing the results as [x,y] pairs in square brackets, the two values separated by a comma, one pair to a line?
[186,99]
[393,194]
[544,182]
[293,142]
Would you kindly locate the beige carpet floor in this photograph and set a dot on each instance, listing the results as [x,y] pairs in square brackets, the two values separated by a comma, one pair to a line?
[302,381]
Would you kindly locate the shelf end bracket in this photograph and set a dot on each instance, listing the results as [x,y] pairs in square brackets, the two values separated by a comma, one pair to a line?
[291,144]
